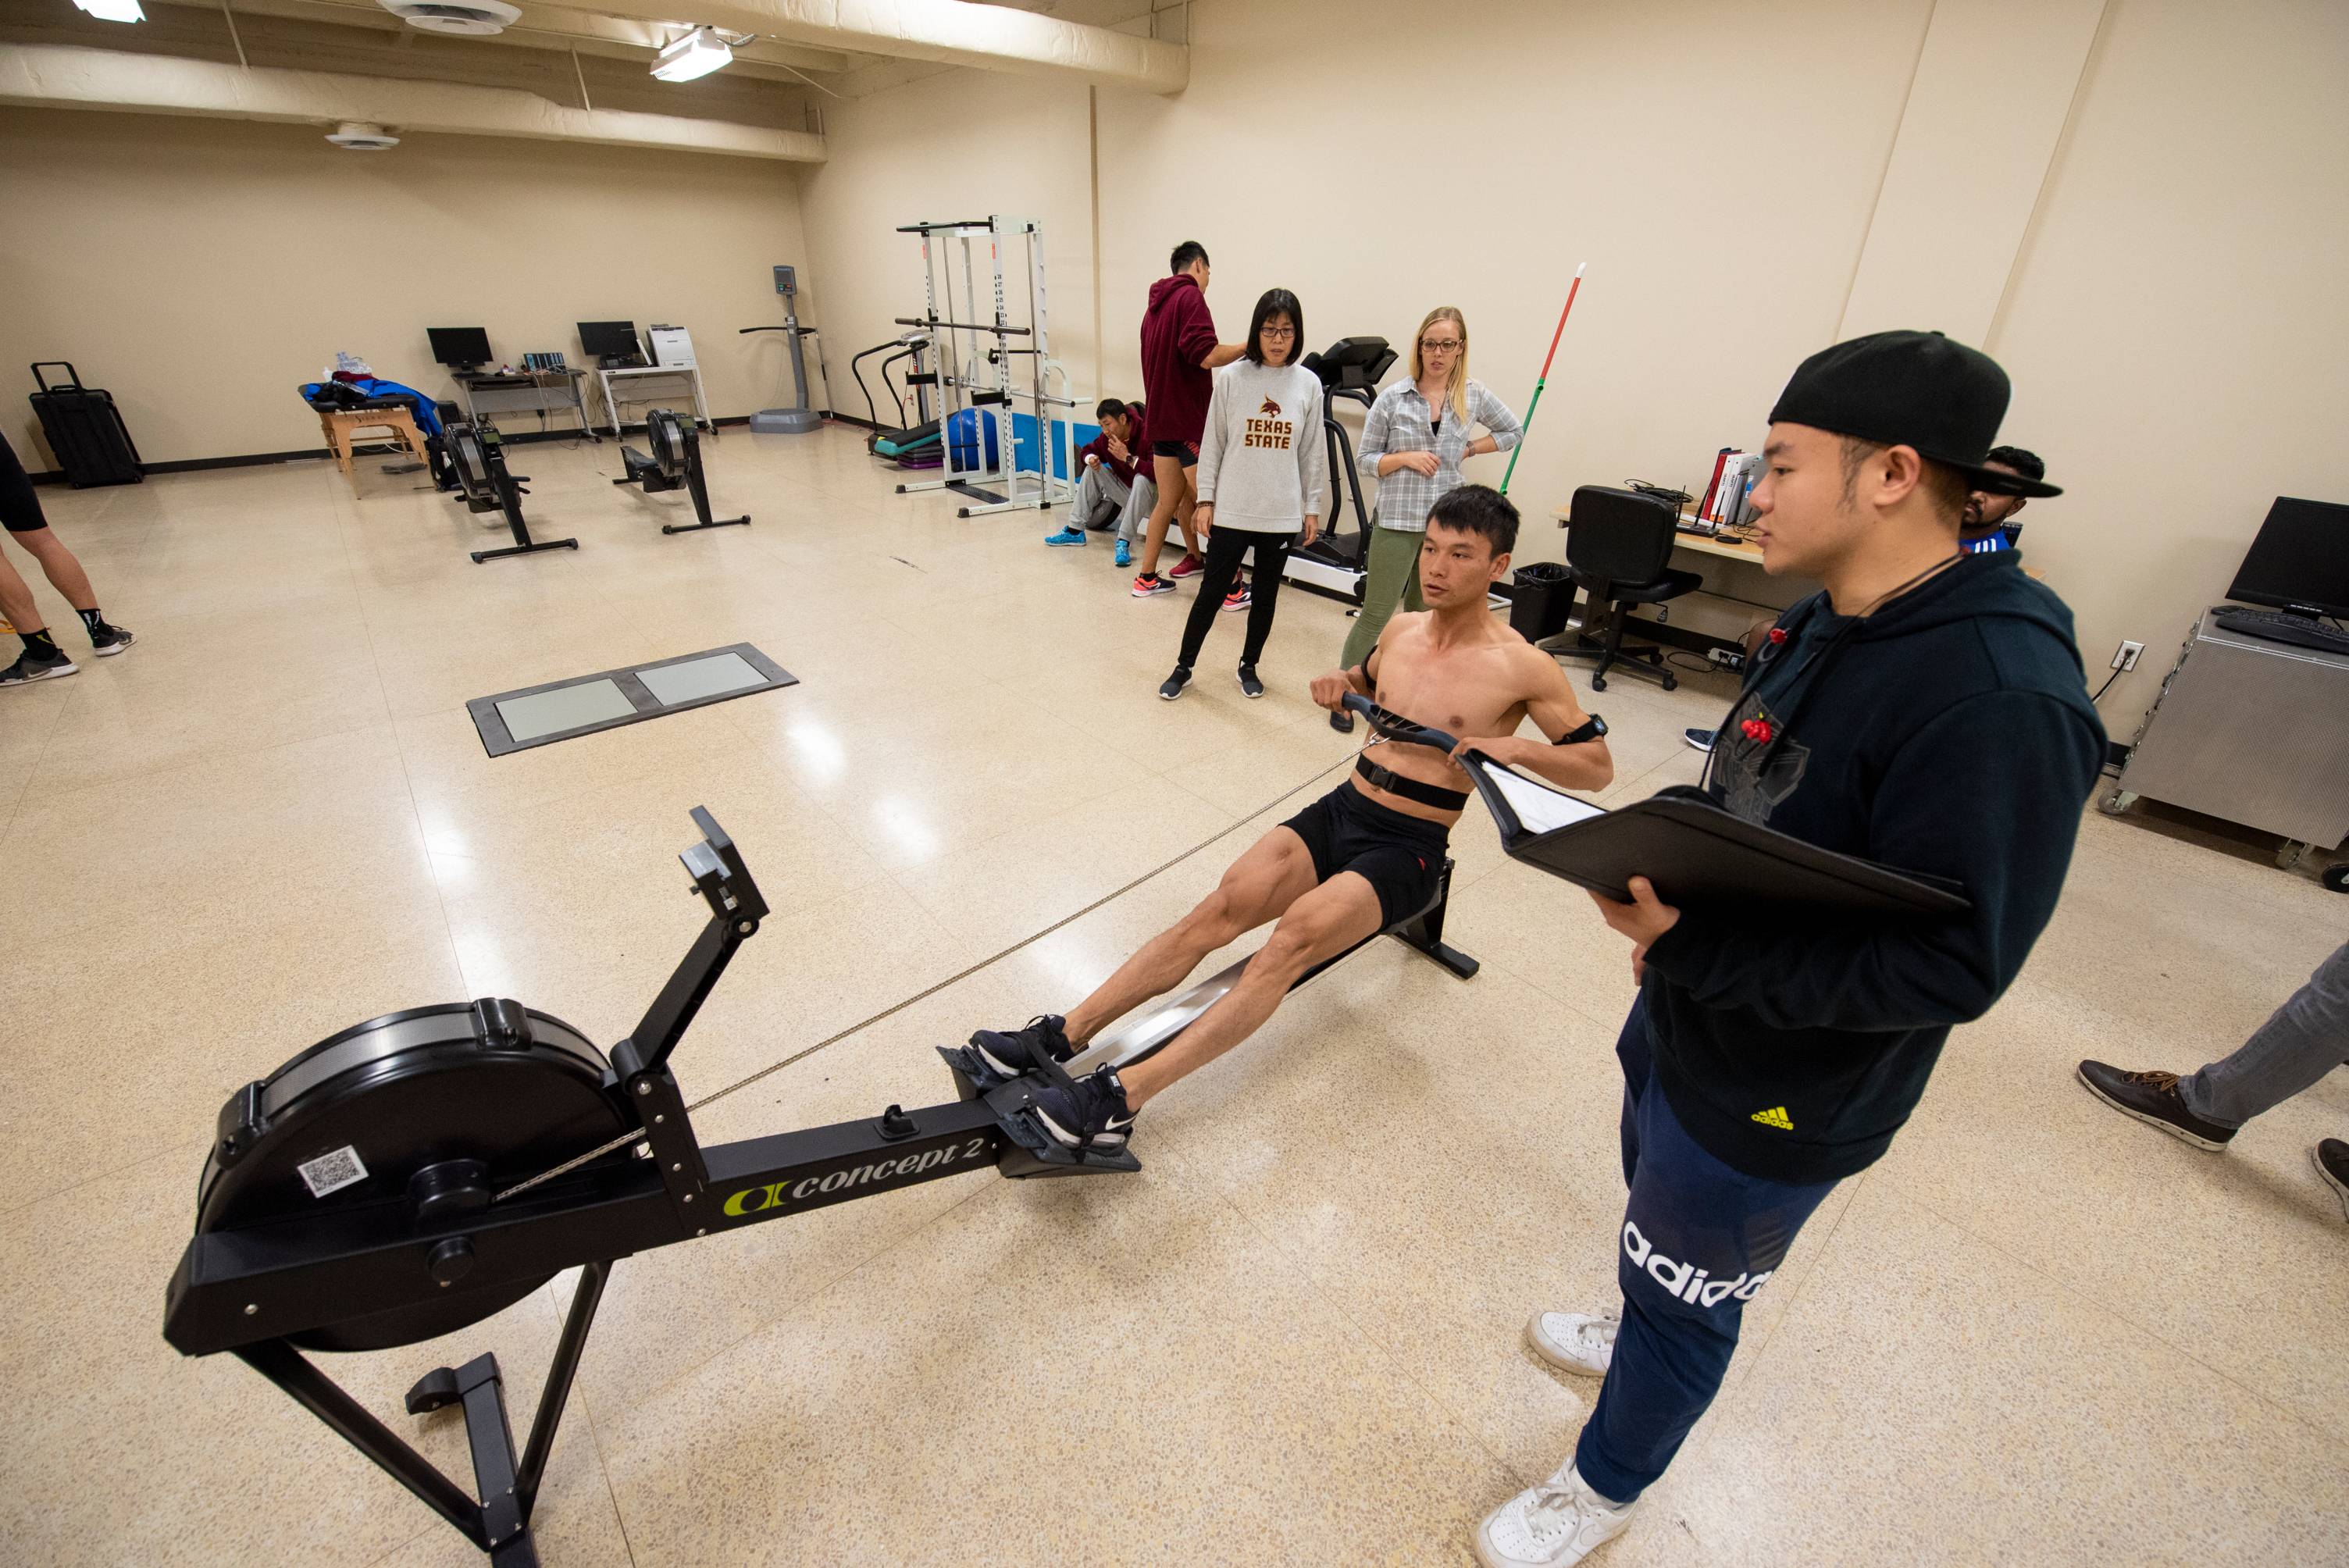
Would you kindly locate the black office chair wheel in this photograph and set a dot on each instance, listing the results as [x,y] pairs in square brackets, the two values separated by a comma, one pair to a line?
[1672,681]
[1597,683]
[2336,877]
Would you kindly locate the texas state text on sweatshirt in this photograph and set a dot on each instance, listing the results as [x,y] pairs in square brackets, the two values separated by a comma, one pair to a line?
[1262,458]
[1949,733]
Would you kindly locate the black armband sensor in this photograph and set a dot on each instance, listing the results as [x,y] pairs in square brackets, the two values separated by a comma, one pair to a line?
[1594,728]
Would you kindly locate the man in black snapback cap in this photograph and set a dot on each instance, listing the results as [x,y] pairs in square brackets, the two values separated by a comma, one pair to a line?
[1925,710]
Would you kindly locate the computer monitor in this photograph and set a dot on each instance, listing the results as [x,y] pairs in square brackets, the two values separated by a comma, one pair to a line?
[2299,561]
[609,339]
[459,348]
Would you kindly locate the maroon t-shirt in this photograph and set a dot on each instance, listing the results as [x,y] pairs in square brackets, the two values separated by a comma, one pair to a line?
[1177,332]
[1137,448]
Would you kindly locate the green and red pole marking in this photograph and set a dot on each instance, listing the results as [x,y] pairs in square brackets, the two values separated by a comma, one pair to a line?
[1543,380]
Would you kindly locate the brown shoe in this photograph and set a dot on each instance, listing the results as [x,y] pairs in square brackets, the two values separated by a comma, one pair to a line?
[2153,1099]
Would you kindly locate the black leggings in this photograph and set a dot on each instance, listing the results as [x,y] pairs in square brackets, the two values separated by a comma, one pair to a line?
[1225,548]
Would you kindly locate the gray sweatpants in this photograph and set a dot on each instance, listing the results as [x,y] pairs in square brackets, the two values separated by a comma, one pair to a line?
[2305,1038]
[1100,492]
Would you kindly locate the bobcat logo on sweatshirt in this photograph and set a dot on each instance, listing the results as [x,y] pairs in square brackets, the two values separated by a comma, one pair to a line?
[1270,429]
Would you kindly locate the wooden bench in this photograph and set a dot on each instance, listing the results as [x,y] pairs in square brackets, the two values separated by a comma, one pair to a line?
[342,425]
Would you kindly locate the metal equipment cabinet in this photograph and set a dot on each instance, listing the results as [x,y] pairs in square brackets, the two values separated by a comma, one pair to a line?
[2249,731]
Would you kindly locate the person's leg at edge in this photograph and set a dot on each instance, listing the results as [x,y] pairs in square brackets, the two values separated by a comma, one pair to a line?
[2301,1041]
[1390,572]
[1140,502]
[1273,875]
[1173,481]
[1225,546]
[1320,924]
[1098,491]
[1271,555]
[1698,1241]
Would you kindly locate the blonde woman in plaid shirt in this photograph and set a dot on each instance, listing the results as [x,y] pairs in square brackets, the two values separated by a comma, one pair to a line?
[1413,445]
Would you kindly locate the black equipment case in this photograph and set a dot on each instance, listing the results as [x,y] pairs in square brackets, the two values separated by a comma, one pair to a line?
[85,430]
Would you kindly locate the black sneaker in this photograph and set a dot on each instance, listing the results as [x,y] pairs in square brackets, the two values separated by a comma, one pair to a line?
[110,639]
[1701,739]
[2332,1158]
[1094,1114]
[1171,687]
[2153,1099]
[1249,684]
[28,669]
[1001,1056]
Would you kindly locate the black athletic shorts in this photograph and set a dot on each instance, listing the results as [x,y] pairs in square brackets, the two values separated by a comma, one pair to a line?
[20,508]
[1185,452]
[1400,856]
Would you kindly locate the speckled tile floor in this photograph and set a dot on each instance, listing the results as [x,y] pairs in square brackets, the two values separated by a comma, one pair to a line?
[2035,1333]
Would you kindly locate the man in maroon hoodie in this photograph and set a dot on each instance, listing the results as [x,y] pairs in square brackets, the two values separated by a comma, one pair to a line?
[1178,351]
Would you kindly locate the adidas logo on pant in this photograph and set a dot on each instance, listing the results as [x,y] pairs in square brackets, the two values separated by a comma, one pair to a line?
[1686,1280]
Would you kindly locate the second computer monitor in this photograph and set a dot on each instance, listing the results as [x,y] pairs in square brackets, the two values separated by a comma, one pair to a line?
[609,339]
[459,348]
[2299,559]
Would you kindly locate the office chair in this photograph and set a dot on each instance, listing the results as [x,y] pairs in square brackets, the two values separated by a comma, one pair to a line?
[1619,544]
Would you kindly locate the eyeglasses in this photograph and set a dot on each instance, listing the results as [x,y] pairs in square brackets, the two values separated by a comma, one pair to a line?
[1279,332]
[1439,345]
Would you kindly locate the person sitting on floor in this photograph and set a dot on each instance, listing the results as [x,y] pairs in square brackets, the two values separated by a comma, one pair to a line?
[1367,856]
[1113,483]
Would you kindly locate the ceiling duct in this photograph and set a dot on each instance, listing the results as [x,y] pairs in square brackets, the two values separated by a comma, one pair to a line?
[360,137]
[464,18]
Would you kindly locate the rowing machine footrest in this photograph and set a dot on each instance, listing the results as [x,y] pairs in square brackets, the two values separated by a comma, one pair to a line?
[958,1063]
[1033,1151]
[435,1390]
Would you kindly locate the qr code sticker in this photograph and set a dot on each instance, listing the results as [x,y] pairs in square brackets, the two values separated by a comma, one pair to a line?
[333,1172]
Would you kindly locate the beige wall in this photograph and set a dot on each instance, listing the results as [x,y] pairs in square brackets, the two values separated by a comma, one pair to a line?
[201,269]
[961,145]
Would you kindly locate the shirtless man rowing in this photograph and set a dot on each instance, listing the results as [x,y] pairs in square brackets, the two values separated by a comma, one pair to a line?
[1364,857]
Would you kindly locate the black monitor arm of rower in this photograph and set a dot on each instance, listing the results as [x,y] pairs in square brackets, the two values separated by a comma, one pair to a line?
[736,908]
[1395,727]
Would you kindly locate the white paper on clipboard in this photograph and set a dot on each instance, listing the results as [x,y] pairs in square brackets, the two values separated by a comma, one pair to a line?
[1539,807]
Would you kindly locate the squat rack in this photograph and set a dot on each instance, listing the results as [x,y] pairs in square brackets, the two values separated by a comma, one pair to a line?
[970,364]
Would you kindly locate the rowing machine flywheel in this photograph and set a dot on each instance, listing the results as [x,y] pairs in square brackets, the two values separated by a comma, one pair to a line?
[408,1121]
[665,436]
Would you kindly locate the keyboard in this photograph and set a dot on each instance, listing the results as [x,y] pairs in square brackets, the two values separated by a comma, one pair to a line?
[2298,631]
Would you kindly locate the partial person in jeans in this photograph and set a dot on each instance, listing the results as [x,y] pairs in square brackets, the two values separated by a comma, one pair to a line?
[2301,1041]
[1262,465]
[1413,444]
[1179,355]
[42,659]
[1112,483]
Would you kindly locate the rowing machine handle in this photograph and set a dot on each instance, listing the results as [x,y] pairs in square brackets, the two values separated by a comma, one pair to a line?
[1395,727]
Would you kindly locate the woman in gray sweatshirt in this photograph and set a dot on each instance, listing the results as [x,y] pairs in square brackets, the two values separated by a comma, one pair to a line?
[1262,465]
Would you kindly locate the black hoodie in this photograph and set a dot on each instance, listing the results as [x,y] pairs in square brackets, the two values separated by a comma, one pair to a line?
[1949,733]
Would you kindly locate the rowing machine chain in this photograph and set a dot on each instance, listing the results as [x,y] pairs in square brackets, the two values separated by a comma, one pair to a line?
[638,1136]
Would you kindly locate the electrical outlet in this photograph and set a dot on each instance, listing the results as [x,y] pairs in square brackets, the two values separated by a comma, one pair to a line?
[2126,658]
[1727,658]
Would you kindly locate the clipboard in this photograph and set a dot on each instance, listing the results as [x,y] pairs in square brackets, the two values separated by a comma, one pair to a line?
[1697,854]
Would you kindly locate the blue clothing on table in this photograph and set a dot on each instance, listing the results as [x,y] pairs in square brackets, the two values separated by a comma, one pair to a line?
[426,418]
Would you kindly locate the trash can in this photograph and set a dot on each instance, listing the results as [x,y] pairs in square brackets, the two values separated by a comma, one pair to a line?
[1543,600]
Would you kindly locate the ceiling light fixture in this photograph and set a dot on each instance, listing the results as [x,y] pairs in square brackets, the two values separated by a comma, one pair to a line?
[696,53]
[113,10]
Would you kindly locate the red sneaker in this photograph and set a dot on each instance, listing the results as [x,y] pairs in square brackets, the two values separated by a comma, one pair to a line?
[1238,598]
[1189,566]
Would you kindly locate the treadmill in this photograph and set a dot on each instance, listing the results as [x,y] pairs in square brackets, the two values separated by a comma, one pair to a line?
[1334,563]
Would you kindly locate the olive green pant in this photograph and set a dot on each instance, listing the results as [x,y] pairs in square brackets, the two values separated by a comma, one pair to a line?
[1392,578]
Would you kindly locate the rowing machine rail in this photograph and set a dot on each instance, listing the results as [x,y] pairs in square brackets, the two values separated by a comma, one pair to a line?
[418,1117]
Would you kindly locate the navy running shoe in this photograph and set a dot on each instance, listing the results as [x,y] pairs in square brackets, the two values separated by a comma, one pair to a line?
[1091,1112]
[996,1057]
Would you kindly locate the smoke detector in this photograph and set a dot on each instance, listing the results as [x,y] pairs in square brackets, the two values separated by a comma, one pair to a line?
[466,18]
[360,137]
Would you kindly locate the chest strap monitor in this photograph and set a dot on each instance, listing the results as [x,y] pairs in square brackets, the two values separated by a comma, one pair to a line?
[1395,783]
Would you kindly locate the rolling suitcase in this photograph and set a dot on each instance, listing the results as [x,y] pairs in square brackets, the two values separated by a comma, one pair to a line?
[85,430]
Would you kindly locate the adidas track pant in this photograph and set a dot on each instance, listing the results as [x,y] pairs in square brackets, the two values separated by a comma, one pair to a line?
[1698,1241]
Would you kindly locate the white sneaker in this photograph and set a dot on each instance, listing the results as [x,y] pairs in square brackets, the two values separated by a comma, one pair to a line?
[1562,1521]
[1574,1341]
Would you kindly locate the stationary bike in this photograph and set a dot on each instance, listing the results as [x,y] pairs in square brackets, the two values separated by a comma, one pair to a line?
[674,461]
[477,458]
